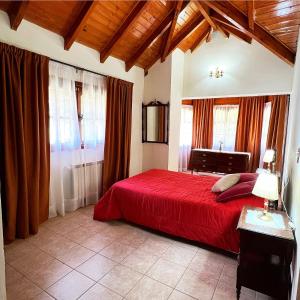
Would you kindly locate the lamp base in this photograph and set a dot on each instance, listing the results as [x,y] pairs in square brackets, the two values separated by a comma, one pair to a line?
[265,216]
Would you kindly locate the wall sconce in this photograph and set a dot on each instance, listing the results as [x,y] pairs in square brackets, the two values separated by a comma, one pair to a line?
[218,73]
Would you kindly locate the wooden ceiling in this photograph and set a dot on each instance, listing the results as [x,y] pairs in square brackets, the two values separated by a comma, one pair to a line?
[142,32]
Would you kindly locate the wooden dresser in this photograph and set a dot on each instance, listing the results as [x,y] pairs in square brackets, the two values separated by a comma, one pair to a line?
[206,160]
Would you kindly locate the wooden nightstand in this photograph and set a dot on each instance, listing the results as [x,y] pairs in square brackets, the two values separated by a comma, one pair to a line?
[266,251]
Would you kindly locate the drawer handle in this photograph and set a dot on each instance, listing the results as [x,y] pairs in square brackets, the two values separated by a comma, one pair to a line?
[229,169]
[230,157]
[203,166]
[203,154]
[230,164]
[203,160]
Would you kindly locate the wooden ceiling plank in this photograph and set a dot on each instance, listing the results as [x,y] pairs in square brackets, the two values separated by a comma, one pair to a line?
[133,15]
[251,14]
[200,39]
[152,38]
[16,12]
[242,36]
[79,24]
[171,30]
[237,18]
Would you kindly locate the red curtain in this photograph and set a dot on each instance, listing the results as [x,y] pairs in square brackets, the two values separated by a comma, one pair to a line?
[277,127]
[203,123]
[117,132]
[249,128]
[24,141]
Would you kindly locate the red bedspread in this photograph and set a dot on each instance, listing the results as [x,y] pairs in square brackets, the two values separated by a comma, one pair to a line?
[176,203]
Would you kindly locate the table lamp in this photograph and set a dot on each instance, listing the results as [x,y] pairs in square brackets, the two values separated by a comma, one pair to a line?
[269,157]
[266,187]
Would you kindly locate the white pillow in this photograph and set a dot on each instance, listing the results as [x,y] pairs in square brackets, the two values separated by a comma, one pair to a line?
[225,183]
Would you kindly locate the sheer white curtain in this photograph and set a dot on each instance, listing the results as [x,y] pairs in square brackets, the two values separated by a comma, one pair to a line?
[93,108]
[264,132]
[225,123]
[186,129]
[75,172]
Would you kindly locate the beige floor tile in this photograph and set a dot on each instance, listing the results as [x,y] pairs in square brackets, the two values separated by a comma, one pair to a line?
[47,274]
[121,279]
[76,256]
[207,266]
[196,286]
[149,289]
[57,245]
[63,225]
[43,296]
[99,292]
[96,242]
[135,238]
[186,245]
[117,251]
[176,295]
[33,262]
[179,255]
[78,235]
[166,272]
[96,267]
[22,289]
[155,246]
[70,287]
[17,250]
[140,261]
[11,275]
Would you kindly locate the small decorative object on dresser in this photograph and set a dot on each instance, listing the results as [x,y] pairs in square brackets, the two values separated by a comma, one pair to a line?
[206,160]
[266,251]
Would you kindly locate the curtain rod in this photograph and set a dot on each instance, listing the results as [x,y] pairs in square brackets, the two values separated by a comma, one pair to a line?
[77,68]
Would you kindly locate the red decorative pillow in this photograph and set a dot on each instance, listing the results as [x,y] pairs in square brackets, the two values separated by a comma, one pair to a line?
[237,191]
[245,177]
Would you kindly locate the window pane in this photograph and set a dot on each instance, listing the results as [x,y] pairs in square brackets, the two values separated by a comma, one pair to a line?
[264,132]
[224,128]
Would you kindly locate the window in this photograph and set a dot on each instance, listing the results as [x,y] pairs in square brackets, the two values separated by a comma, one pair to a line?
[186,130]
[264,132]
[224,130]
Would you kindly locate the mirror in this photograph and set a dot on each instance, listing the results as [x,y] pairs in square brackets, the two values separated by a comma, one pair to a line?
[155,122]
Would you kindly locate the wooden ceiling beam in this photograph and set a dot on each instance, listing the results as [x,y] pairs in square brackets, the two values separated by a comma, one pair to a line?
[181,35]
[16,12]
[206,14]
[133,15]
[152,37]
[171,30]
[79,23]
[209,36]
[185,31]
[239,34]
[251,14]
[201,37]
[237,18]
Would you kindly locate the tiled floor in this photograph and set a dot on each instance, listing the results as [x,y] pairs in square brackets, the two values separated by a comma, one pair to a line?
[77,258]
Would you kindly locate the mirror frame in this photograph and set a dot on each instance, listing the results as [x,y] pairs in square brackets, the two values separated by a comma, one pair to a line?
[154,103]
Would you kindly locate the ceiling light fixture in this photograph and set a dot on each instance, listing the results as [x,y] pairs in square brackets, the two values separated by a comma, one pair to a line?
[218,73]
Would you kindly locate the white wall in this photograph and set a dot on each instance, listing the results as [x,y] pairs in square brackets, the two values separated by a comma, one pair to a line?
[36,39]
[291,175]
[249,70]
[157,86]
[175,108]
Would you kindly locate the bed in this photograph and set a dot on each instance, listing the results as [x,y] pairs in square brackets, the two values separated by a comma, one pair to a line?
[178,204]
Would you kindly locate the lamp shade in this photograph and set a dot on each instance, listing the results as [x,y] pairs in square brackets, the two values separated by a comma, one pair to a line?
[269,156]
[266,186]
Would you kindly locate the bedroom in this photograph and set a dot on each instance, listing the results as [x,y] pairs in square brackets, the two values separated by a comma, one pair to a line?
[54,249]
